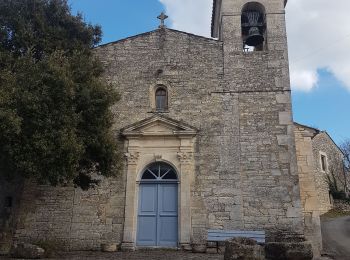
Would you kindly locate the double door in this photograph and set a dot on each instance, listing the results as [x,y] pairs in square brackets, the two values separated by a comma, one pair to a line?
[158,215]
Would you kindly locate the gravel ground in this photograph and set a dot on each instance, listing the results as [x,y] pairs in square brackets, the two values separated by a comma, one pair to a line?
[144,255]
[137,255]
[336,237]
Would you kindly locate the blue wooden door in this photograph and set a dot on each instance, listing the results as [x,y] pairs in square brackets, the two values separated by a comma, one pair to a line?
[147,217]
[167,215]
[157,223]
[158,215]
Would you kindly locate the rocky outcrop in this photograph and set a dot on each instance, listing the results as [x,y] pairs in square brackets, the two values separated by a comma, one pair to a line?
[243,249]
[288,251]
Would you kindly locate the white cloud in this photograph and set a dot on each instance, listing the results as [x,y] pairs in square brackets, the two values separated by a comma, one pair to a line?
[303,79]
[318,35]
[192,16]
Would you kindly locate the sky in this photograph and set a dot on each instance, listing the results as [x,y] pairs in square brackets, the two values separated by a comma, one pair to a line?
[318,43]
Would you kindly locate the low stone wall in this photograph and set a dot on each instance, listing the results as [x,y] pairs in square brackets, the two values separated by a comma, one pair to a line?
[9,201]
[69,218]
[342,205]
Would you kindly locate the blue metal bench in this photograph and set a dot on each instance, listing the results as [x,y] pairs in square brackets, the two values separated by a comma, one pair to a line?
[223,235]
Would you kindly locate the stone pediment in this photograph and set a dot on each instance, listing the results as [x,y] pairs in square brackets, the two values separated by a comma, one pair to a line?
[159,125]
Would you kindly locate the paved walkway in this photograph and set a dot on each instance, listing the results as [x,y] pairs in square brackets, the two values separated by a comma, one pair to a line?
[143,255]
[137,255]
[336,237]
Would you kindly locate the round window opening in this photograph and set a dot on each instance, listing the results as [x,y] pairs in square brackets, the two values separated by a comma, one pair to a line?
[159,171]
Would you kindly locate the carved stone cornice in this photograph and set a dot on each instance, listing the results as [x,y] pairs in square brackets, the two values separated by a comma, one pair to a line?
[132,157]
[173,128]
[185,157]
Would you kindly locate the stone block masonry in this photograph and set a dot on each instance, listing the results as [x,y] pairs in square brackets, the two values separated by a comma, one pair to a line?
[227,130]
[70,218]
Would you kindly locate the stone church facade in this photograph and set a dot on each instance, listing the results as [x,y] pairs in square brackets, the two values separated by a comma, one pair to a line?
[209,143]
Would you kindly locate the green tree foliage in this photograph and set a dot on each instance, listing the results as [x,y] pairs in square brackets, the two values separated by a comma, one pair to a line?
[55,118]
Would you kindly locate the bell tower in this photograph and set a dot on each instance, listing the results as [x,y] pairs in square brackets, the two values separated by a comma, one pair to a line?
[253,24]
[256,81]
[253,34]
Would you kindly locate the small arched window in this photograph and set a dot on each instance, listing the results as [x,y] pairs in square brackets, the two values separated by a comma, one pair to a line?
[161,99]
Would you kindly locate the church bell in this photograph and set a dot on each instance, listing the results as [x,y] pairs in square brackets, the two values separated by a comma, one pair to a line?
[253,25]
[254,37]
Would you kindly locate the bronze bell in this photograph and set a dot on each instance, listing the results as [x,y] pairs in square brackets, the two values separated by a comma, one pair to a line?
[254,37]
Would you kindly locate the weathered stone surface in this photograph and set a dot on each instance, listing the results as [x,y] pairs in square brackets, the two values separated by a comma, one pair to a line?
[311,144]
[288,251]
[199,248]
[112,247]
[308,187]
[27,251]
[9,201]
[322,144]
[73,218]
[240,172]
[243,249]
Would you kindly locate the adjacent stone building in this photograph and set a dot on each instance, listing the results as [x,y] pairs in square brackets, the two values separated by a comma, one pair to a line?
[319,157]
[209,142]
[320,163]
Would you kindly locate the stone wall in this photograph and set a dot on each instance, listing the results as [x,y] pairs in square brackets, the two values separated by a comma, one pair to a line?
[315,197]
[191,69]
[308,187]
[9,202]
[71,218]
[245,170]
[260,82]
[245,166]
[323,144]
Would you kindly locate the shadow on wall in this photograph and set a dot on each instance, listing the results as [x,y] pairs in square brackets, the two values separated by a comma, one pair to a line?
[9,198]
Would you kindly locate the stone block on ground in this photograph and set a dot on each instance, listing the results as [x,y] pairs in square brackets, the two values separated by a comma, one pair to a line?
[288,251]
[27,251]
[4,248]
[243,249]
[111,247]
[199,248]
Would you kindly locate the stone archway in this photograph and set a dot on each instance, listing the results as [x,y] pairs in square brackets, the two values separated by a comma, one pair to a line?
[157,218]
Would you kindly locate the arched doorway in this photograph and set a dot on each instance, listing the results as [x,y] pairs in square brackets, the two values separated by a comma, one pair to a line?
[158,207]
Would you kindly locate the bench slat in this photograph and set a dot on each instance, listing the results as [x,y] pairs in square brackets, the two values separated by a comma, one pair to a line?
[224,238]
[259,240]
[222,235]
[238,234]
[230,235]
[236,231]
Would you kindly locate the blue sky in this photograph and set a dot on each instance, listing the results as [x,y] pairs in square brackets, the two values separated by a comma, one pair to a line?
[326,107]
[324,103]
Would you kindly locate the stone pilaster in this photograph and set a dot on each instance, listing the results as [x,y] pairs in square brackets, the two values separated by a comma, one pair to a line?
[129,236]
[186,173]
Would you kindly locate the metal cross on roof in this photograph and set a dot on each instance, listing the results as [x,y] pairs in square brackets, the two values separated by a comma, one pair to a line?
[162,17]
